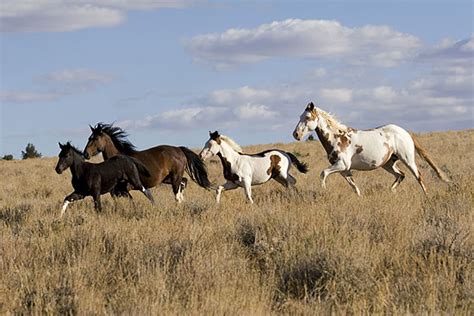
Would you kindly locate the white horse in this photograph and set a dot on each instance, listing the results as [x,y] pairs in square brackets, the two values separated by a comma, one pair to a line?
[350,149]
[243,170]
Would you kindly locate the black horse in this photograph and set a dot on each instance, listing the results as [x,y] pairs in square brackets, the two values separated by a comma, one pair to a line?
[90,179]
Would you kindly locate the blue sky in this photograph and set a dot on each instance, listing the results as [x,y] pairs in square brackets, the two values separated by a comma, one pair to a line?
[170,71]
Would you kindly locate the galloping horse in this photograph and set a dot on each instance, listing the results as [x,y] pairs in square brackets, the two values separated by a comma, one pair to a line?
[89,179]
[350,149]
[165,163]
[246,170]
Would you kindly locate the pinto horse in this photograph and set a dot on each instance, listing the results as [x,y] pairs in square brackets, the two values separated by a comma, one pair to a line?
[350,149]
[90,179]
[165,163]
[243,170]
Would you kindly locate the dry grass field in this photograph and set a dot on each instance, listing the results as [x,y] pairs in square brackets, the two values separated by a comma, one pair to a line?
[302,251]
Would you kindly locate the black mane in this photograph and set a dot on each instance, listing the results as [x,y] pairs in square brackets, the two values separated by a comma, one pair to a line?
[118,136]
[68,145]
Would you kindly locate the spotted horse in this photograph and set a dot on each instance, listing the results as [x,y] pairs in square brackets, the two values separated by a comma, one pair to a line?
[350,149]
[244,170]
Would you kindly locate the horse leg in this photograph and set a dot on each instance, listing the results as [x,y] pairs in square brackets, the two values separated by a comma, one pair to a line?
[348,176]
[134,180]
[182,186]
[289,181]
[285,178]
[121,190]
[248,189]
[391,167]
[339,166]
[70,198]
[97,203]
[176,184]
[226,187]
[410,163]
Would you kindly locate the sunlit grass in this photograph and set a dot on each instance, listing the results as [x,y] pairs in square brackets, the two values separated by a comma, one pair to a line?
[304,251]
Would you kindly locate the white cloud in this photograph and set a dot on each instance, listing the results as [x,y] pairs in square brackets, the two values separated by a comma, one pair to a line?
[367,45]
[72,15]
[78,76]
[254,112]
[238,96]
[28,96]
[336,95]
[439,97]
[59,84]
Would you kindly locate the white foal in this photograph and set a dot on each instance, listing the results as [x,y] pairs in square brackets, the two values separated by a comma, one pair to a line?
[350,149]
[242,170]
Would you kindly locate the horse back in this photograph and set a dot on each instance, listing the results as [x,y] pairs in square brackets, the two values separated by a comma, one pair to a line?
[161,161]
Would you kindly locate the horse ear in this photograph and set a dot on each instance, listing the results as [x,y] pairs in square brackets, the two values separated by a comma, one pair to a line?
[92,129]
[60,145]
[214,135]
[310,106]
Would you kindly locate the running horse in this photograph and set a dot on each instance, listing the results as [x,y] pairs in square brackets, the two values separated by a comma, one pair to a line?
[165,163]
[350,149]
[244,170]
[90,179]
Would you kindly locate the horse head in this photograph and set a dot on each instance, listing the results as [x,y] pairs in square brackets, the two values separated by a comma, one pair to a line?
[211,147]
[66,157]
[308,122]
[96,142]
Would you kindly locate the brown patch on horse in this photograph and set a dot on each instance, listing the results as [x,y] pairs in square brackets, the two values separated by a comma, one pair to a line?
[314,114]
[359,149]
[324,139]
[274,168]
[344,142]
[351,129]
[227,168]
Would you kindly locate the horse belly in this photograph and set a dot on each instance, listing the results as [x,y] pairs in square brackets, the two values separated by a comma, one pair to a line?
[363,163]
[260,170]
[370,153]
[260,177]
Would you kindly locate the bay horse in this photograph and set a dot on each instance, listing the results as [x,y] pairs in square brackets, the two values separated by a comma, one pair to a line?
[243,170]
[350,149]
[89,179]
[165,163]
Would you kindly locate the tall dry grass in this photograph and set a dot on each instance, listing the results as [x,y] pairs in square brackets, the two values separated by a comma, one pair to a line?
[303,251]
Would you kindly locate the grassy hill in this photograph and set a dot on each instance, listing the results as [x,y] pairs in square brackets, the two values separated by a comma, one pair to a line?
[303,251]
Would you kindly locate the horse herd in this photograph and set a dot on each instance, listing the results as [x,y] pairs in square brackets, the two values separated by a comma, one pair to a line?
[126,168]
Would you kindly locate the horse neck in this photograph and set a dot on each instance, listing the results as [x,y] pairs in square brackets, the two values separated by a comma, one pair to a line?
[110,150]
[77,166]
[326,134]
[228,152]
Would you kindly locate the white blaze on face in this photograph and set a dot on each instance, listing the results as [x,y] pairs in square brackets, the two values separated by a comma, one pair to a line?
[209,150]
[304,126]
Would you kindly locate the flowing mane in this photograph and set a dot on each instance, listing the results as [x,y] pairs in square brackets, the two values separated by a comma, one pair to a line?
[118,137]
[332,122]
[231,143]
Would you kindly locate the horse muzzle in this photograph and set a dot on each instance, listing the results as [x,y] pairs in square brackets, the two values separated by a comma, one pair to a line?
[297,135]
[58,170]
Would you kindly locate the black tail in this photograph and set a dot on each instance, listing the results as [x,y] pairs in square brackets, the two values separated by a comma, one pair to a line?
[142,169]
[301,166]
[196,168]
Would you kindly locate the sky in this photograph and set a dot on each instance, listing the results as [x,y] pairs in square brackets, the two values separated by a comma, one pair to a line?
[170,71]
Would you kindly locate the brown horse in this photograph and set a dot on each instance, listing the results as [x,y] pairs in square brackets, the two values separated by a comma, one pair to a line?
[165,163]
